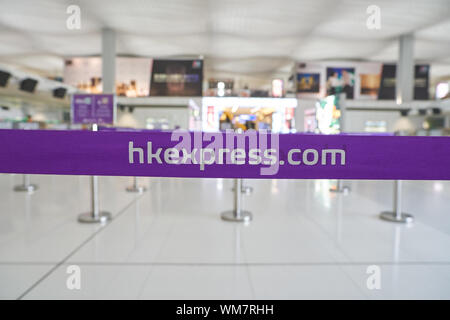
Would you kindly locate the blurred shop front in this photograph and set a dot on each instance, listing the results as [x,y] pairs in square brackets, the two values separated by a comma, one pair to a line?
[274,114]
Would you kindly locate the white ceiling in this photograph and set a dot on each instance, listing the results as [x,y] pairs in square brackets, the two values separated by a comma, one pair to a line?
[235,36]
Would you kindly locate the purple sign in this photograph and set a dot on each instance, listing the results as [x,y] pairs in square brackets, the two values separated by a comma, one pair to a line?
[224,155]
[93,108]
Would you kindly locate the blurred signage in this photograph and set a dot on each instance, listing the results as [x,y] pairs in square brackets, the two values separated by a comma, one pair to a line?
[359,80]
[369,85]
[308,82]
[341,80]
[220,88]
[93,108]
[177,78]
[214,83]
[421,82]
[132,75]
[277,88]
[210,118]
[388,82]
[259,93]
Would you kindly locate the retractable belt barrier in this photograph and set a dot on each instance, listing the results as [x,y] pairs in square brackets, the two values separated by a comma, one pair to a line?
[224,155]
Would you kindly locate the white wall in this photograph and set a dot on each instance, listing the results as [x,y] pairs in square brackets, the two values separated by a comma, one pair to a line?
[12,113]
[16,113]
[176,116]
[356,120]
[302,105]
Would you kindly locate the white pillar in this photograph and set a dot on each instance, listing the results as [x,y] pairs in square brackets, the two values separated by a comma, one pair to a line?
[299,116]
[343,105]
[108,60]
[405,69]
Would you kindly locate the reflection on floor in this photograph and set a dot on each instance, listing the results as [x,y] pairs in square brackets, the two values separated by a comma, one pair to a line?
[169,243]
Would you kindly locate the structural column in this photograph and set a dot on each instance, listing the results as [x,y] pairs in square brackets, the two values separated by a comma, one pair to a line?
[404,94]
[108,83]
[108,60]
[405,69]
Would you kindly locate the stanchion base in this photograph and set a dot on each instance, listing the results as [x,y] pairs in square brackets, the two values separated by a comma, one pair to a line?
[26,188]
[87,217]
[247,190]
[390,216]
[245,216]
[136,189]
[344,190]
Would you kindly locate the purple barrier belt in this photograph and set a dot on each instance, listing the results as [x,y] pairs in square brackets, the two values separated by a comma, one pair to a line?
[124,129]
[288,156]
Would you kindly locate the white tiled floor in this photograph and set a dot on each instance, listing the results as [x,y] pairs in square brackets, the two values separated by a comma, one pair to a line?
[170,243]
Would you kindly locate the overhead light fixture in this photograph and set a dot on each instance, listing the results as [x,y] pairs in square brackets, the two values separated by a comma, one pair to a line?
[4,77]
[59,92]
[28,85]
[404,112]
[436,111]
[442,90]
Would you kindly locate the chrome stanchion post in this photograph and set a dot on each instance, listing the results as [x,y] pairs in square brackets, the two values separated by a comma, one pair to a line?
[135,187]
[95,215]
[237,214]
[247,190]
[339,184]
[26,186]
[340,188]
[94,199]
[396,215]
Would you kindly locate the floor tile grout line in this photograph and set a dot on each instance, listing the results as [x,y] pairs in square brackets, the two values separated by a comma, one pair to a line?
[413,263]
[232,264]
[340,205]
[352,280]
[247,269]
[60,263]
[250,281]
[166,239]
[325,232]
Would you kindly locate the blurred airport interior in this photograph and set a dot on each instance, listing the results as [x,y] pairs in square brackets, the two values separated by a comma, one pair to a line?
[318,67]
